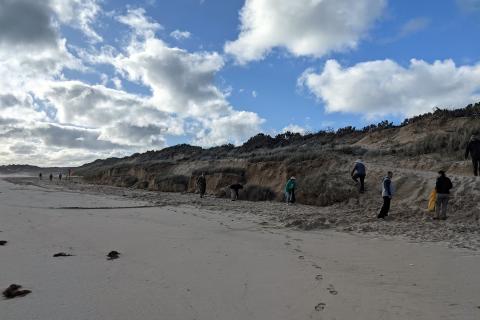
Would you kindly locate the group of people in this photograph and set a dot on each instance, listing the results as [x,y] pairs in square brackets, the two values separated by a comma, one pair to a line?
[60,175]
[443,184]
[201,184]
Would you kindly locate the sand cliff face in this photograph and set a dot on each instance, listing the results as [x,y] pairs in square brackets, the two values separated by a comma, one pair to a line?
[320,162]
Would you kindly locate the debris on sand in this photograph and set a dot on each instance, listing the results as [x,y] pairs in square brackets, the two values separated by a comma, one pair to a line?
[112,255]
[14,291]
[3,242]
[320,307]
[62,254]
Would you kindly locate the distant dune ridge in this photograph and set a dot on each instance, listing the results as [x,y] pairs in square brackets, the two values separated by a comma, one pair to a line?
[321,161]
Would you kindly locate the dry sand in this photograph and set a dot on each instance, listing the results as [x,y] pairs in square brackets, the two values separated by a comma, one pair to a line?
[183,260]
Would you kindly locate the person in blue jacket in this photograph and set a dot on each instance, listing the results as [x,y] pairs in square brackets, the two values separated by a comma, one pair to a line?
[359,172]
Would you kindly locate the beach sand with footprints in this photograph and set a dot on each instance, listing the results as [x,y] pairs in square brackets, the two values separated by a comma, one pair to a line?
[182,260]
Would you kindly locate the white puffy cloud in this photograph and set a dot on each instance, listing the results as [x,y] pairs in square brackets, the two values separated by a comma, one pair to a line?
[294,128]
[47,119]
[235,127]
[180,35]
[303,27]
[183,83]
[30,46]
[79,14]
[383,87]
[136,19]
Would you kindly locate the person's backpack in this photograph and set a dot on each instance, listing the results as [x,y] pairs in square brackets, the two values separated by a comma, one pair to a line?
[432,201]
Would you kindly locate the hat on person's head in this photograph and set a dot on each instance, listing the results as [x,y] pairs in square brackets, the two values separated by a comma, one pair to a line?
[358,161]
[292,178]
[442,172]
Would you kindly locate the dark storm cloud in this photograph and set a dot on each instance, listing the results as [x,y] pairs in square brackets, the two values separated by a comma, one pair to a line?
[26,22]
[23,149]
[8,100]
[69,137]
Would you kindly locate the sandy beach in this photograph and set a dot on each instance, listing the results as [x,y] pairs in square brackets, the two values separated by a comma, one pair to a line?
[185,261]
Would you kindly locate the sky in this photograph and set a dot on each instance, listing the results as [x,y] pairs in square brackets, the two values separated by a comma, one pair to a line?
[88,79]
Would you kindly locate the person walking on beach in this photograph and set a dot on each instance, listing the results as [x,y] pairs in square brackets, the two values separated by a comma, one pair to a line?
[40,176]
[473,149]
[234,190]
[51,177]
[60,177]
[387,194]
[290,190]
[443,186]
[202,185]
[359,172]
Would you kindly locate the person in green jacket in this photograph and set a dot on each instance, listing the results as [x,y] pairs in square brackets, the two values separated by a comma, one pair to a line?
[290,190]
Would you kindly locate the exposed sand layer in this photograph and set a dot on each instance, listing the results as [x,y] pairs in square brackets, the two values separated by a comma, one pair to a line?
[183,260]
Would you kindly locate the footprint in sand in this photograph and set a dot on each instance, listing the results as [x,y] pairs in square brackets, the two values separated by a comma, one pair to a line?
[287,244]
[297,250]
[301,257]
[331,290]
[3,242]
[319,277]
[316,266]
[62,254]
[320,307]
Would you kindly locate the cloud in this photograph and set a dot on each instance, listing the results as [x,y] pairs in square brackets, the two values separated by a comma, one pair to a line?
[30,47]
[294,129]
[136,19]
[79,14]
[413,26]
[303,27]
[236,128]
[383,87]
[410,27]
[180,35]
[48,119]
[469,5]
[23,149]
[26,23]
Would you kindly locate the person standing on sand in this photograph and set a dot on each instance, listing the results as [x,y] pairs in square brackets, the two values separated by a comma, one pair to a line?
[202,185]
[290,190]
[387,194]
[443,186]
[60,177]
[40,176]
[359,172]
[234,190]
[473,148]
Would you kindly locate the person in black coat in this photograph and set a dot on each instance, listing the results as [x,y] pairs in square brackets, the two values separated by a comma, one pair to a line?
[443,186]
[473,149]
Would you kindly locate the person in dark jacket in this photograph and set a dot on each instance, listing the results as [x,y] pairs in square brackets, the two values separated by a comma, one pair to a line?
[50,177]
[473,149]
[443,186]
[234,190]
[387,194]
[202,185]
[290,190]
[359,172]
